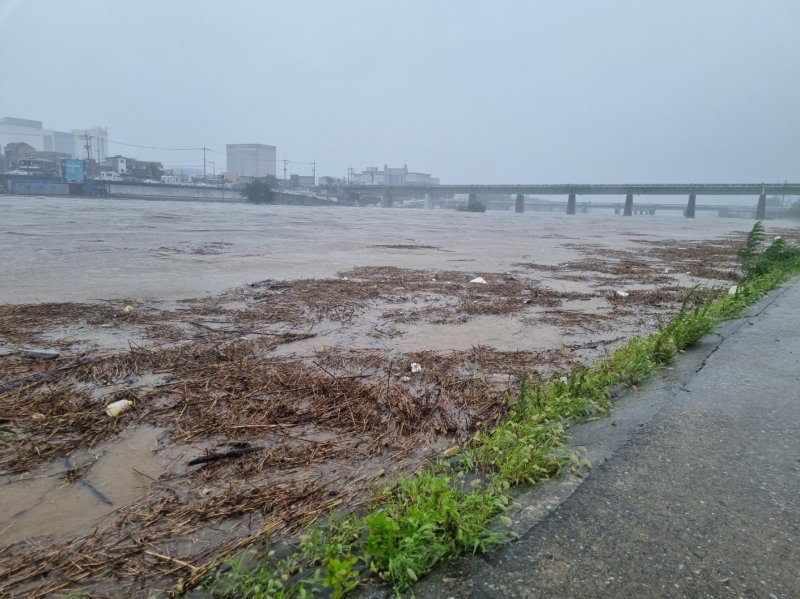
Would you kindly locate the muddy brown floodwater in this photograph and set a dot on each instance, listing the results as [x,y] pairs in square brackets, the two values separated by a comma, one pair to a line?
[267,351]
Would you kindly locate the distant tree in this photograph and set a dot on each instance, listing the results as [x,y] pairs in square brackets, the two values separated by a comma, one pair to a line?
[794,211]
[155,171]
[474,205]
[775,202]
[261,191]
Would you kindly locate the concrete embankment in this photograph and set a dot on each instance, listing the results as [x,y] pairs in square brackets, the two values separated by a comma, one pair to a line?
[174,192]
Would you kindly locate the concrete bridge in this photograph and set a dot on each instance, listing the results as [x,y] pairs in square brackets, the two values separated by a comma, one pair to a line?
[572,191]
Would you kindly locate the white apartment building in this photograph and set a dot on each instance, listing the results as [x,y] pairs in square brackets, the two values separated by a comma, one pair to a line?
[251,160]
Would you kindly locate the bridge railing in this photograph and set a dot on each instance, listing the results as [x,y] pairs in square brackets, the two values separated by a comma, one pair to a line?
[572,191]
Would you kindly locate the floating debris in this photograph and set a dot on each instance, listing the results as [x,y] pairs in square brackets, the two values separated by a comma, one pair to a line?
[119,407]
[40,354]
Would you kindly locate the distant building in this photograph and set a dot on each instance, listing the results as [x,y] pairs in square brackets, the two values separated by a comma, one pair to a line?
[90,143]
[46,140]
[421,179]
[40,166]
[118,164]
[16,151]
[330,181]
[143,169]
[13,130]
[251,160]
[372,175]
[301,180]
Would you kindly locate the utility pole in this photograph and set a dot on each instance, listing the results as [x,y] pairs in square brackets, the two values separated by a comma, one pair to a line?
[88,145]
[204,163]
[314,172]
[285,165]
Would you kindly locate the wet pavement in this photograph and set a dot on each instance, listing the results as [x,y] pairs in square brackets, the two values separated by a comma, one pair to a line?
[695,490]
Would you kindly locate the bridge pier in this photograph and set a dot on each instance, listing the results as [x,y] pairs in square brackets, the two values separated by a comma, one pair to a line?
[428,202]
[388,200]
[519,206]
[690,206]
[571,204]
[628,205]
[761,210]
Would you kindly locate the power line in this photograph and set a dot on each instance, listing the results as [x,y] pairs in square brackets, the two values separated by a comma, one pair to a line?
[49,133]
[122,143]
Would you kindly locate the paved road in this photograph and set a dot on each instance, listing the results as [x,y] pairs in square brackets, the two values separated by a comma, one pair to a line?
[695,490]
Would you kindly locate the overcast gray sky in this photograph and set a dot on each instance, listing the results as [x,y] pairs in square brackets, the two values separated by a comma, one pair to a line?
[478,92]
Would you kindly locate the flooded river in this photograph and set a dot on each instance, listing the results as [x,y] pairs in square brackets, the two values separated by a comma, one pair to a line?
[67,250]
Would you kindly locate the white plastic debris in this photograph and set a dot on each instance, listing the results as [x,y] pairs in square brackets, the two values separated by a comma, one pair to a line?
[563,379]
[128,309]
[416,367]
[733,290]
[623,293]
[480,280]
[119,407]
[405,379]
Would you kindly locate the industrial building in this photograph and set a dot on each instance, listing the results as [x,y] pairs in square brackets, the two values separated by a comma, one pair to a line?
[90,143]
[251,160]
[372,175]
[73,144]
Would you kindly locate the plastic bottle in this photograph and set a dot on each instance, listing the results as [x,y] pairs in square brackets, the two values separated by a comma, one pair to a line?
[119,407]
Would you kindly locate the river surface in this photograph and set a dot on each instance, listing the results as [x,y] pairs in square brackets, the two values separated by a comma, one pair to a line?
[70,249]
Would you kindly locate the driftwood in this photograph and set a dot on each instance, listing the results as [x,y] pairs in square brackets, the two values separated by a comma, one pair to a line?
[45,376]
[214,457]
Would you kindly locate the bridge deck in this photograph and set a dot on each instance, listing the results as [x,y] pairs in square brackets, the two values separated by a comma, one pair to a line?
[581,189]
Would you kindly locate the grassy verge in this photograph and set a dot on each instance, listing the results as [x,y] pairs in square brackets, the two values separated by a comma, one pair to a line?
[455,506]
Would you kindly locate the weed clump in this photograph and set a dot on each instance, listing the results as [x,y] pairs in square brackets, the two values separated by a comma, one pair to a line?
[758,260]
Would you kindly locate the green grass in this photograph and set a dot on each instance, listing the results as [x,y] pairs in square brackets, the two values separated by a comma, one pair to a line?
[435,515]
